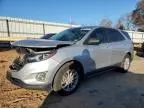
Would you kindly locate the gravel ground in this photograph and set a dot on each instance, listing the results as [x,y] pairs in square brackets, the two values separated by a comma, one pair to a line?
[109,90]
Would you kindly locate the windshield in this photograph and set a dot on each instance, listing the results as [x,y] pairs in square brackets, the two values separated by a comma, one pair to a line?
[70,35]
[47,36]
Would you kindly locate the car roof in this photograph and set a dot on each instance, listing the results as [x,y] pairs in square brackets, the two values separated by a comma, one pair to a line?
[93,27]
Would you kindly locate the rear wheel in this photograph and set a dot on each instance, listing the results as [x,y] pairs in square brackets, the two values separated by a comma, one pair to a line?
[125,65]
[67,79]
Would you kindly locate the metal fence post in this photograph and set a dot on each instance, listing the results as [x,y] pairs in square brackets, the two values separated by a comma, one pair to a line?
[7,23]
[44,29]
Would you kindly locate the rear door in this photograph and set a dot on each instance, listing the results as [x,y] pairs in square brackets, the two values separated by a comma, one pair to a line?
[117,43]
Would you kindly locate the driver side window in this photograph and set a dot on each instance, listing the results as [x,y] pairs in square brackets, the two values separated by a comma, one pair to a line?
[98,35]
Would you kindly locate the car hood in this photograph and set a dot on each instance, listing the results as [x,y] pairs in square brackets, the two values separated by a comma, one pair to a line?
[41,43]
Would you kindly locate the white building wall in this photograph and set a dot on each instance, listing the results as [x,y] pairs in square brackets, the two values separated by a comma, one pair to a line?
[21,29]
[54,29]
[29,28]
[3,28]
[137,37]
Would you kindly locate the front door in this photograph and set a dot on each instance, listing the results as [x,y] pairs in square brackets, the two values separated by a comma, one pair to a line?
[100,52]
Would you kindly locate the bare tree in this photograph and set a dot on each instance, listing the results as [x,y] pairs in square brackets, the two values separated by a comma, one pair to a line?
[106,23]
[138,14]
[125,22]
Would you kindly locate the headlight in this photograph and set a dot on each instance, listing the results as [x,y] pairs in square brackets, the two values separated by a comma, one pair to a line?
[40,57]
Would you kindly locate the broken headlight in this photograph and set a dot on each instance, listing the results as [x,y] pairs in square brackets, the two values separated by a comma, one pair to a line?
[39,57]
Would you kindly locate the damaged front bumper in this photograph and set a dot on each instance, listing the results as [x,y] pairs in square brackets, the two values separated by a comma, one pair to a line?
[20,83]
[36,75]
[35,67]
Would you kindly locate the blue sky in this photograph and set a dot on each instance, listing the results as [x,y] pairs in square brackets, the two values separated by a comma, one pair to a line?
[80,11]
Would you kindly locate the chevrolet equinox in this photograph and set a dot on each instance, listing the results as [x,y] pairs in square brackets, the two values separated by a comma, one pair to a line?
[61,62]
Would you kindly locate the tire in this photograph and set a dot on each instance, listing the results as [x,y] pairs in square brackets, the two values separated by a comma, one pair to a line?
[125,65]
[59,84]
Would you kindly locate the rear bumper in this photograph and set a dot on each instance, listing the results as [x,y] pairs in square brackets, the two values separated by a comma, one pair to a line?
[20,83]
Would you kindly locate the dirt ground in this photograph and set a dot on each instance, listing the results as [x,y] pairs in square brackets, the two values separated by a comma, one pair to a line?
[12,96]
[109,90]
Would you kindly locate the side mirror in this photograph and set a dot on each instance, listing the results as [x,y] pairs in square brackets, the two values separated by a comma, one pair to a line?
[94,41]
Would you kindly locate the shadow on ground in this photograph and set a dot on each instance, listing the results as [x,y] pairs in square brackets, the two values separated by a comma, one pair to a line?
[139,52]
[4,49]
[109,90]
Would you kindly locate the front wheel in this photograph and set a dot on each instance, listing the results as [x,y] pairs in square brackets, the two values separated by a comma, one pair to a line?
[67,79]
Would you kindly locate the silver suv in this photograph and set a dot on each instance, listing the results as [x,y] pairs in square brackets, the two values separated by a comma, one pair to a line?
[60,63]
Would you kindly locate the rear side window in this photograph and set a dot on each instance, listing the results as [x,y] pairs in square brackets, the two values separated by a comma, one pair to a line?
[114,35]
[126,34]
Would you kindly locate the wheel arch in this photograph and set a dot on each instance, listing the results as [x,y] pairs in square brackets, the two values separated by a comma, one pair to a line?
[130,54]
[68,61]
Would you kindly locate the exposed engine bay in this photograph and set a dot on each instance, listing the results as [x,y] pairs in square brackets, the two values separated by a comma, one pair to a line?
[30,51]
[29,55]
